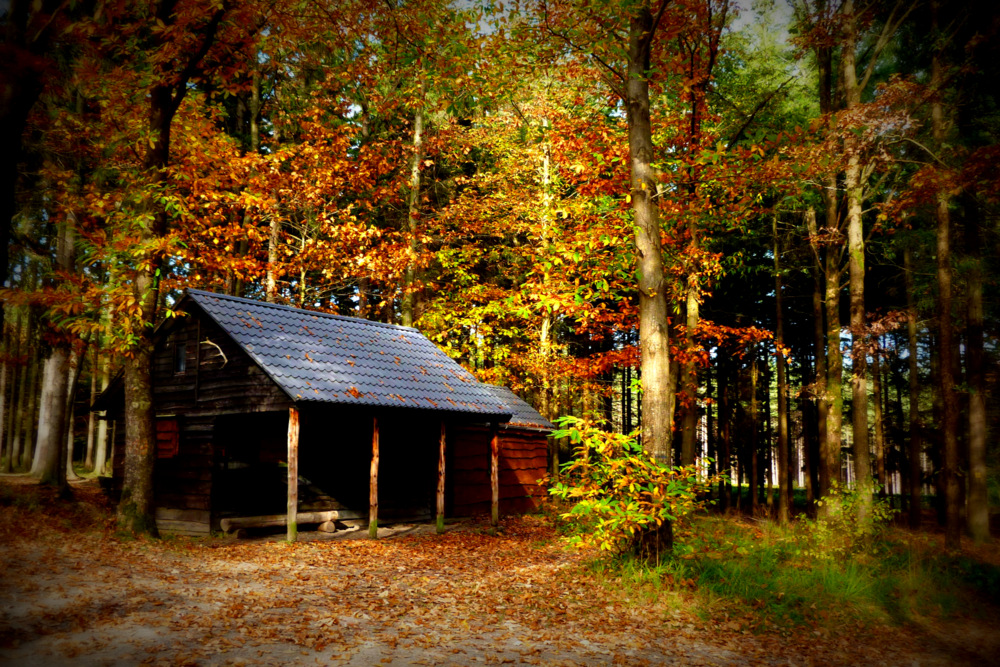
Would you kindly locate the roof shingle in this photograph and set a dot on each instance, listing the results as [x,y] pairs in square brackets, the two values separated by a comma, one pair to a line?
[318,357]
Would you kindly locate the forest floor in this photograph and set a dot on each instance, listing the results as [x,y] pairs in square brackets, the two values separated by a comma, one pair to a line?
[72,591]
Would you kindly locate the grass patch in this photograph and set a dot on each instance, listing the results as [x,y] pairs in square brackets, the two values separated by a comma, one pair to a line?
[785,577]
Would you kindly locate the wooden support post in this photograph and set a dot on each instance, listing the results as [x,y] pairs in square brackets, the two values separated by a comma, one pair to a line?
[293,475]
[373,485]
[495,475]
[440,489]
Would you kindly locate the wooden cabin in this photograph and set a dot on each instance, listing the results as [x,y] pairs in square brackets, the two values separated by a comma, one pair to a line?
[264,411]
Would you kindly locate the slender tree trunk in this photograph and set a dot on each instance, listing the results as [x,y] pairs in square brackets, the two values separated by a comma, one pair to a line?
[946,338]
[854,190]
[19,404]
[977,503]
[831,401]
[545,328]
[689,372]
[879,426]
[6,367]
[915,445]
[238,283]
[725,418]
[754,436]
[711,444]
[810,446]
[271,279]
[829,469]
[817,462]
[101,453]
[784,492]
[654,337]
[28,418]
[73,376]
[413,211]
[88,461]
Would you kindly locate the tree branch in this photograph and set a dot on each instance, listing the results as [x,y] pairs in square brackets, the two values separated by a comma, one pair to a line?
[758,109]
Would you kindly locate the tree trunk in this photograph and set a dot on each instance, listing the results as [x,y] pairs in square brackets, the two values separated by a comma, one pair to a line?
[51,420]
[18,402]
[6,368]
[545,327]
[831,398]
[271,279]
[816,463]
[725,439]
[915,445]
[768,449]
[854,191]
[73,376]
[784,492]
[689,372]
[829,468]
[879,426]
[88,461]
[654,337]
[413,211]
[754,436]
[101,447]
[946,339]
[238,285]
[135,508]
[977,504]
[28,417]
[711,441]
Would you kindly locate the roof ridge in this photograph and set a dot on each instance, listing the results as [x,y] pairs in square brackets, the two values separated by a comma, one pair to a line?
[278,306]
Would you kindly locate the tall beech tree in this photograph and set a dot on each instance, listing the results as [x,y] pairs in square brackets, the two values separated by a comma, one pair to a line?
[654,335]
[178,37]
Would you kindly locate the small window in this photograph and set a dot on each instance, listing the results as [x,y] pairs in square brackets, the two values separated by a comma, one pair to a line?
[180,357]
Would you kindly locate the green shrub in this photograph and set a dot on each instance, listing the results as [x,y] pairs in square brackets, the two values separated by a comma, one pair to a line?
[847,529]
[623,500]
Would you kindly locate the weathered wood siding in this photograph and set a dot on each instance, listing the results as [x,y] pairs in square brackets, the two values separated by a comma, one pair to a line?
[218,379]
[522,464]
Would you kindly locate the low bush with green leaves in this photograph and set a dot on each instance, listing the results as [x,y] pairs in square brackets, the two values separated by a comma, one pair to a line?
[849,526]
[623,500]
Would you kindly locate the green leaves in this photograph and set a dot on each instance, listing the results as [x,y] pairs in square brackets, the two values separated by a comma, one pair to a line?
[619,492]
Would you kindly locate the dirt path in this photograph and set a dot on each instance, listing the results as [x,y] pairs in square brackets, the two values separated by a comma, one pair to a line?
[78,596]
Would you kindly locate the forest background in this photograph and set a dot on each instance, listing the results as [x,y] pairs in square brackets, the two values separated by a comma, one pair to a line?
[761,236]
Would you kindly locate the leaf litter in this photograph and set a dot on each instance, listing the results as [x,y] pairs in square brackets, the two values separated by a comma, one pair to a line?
[73,592]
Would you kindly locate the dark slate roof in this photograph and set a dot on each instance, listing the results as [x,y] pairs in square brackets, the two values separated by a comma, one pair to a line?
[317,357]
[523,415]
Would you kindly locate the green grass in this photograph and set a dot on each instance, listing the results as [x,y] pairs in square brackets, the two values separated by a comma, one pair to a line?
[789,577]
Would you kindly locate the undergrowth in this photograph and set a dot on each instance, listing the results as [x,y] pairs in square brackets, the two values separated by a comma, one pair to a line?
[775,577]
